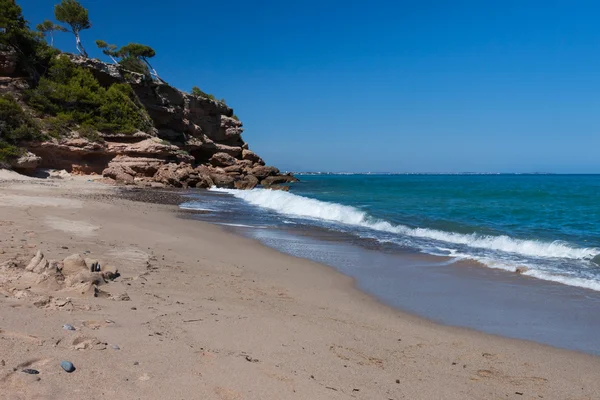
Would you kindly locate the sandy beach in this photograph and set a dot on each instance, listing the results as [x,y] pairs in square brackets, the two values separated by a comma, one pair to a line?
[199,313]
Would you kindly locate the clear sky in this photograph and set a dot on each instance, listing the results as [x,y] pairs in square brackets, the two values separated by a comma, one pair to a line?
[399,86]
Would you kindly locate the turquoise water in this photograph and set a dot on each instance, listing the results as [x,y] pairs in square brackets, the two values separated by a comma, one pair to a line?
[549,224]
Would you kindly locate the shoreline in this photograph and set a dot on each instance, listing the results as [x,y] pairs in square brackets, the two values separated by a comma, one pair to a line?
[283,326]
[441,289]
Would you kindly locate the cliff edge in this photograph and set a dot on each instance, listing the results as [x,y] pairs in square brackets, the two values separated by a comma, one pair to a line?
[188,140]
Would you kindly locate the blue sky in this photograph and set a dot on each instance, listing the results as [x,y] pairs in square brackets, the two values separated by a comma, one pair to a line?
[400,86]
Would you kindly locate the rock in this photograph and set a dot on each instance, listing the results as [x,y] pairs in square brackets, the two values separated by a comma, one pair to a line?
[67,366]
[136,166]
[237,169]
[278,179]
[261,171]
[205,182]
[279,187]
[119,174]
[31,371]
[174,174]
[74,265]
[222,160]
[9,60]
[252,156]
[68,327]
[77,155]
[59,174]
[115,347]
[223,180]
[153,147]
[26,164]
[246,183]
[521,270]
[234,151]
[230,129]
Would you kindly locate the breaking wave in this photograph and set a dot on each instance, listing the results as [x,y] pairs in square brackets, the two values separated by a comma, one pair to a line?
[298,206]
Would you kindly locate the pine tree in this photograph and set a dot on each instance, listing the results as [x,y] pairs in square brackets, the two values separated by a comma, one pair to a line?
[72,13]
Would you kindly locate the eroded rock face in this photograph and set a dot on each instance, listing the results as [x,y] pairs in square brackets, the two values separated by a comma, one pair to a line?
[26,164]
[222,160]
[195,142]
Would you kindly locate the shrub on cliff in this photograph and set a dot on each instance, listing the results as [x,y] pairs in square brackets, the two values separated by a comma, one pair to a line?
[197,92]
[33,52]
[16,127]
[74,98]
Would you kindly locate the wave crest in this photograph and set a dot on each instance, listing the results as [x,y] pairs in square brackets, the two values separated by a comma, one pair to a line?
[304,207]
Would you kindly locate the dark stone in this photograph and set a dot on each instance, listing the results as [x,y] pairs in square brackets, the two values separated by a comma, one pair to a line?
[67,366]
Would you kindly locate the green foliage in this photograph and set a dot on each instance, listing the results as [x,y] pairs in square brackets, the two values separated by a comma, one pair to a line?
[16,127]
[235,117]
[136,50]
[9,151]
[135,65]
[197,92]
[75,98]
[108,49]
[49,27]
[72,13]
[34,53]
[60,125]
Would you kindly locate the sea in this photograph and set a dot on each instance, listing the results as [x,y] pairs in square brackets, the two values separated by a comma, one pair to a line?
[444,246]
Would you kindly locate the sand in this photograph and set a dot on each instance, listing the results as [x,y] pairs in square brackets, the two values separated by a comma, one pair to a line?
[198,313]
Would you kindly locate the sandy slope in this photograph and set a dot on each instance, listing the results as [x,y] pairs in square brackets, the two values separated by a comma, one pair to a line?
[215,316]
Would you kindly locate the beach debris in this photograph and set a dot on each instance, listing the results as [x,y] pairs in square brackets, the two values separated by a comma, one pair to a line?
[67,366]
[115,347]
[136,363]
[250,359]
[68,327]
[31,371]
[521,270]
[519,393]
[94,265]
[397,380]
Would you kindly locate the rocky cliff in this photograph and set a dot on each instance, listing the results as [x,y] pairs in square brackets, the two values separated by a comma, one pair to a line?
[195,141]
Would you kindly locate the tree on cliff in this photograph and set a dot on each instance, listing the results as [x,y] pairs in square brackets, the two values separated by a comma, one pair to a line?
[72,13]
[48,28]
[108,49]
[139,52]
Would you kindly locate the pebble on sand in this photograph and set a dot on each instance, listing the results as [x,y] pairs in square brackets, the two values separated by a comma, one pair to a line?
[31,371]
[68,327]
[115,347]
[67,366]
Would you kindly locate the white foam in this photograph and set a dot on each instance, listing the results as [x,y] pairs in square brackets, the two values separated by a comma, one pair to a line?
[298,206]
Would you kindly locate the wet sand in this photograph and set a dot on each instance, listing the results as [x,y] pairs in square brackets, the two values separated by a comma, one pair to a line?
[198,312]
